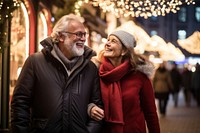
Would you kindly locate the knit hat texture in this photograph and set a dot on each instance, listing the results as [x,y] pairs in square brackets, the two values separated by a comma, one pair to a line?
[126,38]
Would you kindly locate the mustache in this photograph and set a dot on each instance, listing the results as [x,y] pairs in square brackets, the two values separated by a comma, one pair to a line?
[80,42]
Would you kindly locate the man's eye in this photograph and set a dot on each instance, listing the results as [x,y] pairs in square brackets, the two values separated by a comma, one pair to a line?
[80,34]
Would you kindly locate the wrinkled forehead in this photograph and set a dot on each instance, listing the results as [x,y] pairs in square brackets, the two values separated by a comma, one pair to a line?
[75,25]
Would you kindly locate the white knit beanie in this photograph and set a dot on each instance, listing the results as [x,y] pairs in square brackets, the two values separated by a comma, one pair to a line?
[126,38]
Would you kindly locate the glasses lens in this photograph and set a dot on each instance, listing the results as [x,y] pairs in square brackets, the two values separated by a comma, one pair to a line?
[81,34]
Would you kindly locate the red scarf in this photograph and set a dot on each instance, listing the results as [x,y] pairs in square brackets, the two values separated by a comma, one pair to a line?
[111,89]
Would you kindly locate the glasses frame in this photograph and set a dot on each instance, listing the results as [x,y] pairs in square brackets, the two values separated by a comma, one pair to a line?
[78,34]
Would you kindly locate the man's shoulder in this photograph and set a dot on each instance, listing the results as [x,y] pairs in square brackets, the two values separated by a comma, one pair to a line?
[36,56]
[91,63]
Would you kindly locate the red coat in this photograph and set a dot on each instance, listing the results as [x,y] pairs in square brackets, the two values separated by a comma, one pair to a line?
[136,97]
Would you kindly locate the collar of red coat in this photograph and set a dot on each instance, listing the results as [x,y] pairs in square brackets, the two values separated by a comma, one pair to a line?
[110,73]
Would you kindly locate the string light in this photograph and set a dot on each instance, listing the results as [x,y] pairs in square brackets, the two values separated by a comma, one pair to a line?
[78,5]
[6,9]
[139,8]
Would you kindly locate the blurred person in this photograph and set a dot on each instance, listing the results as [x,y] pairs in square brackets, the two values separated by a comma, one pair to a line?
[186,83]
[127,92]
[162,86]
[59,87]
[176,81]
[196,83]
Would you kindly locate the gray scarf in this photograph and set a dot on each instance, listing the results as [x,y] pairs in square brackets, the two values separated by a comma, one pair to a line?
[71,65]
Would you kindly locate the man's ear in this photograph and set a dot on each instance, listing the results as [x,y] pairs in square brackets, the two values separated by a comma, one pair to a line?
[61,37]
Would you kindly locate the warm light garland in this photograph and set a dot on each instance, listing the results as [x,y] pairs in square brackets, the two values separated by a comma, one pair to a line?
[192,43]
[139,8]
[6,9]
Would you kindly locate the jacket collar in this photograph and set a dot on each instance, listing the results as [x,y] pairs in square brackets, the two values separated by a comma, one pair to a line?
[48,46]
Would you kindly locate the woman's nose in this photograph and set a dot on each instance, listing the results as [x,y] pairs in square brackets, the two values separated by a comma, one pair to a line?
[107,43]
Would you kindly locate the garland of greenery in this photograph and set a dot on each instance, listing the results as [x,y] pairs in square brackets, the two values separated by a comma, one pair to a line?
[6,9]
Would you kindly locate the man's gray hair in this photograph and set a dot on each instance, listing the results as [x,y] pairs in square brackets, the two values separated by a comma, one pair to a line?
[62,24]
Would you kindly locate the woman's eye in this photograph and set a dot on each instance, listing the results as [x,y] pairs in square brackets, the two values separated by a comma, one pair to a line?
[114,41]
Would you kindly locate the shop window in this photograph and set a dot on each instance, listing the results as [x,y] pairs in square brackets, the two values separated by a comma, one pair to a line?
[42,29]
[181,34]
[197,14]
[182,15]
[19,43]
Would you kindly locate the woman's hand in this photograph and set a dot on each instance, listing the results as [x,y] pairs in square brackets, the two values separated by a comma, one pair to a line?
[97,113]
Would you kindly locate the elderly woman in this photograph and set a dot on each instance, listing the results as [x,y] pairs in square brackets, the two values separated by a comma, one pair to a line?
[127,92]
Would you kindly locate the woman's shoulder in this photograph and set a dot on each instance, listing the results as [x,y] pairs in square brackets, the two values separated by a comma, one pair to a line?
[147,69]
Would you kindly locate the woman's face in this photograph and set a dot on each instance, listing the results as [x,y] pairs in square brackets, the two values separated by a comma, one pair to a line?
[113,48]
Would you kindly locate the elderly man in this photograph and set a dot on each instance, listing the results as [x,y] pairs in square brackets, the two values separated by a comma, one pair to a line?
[58,88]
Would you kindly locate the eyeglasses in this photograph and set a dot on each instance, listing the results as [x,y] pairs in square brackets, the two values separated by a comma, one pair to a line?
[78,34]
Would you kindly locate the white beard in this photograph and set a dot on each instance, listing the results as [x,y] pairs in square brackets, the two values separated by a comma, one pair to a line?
[73,48]
[77,51]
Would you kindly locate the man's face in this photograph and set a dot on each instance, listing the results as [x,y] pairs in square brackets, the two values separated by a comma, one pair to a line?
[74,40]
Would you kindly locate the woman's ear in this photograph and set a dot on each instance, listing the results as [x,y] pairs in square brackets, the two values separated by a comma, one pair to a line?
[124,52]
